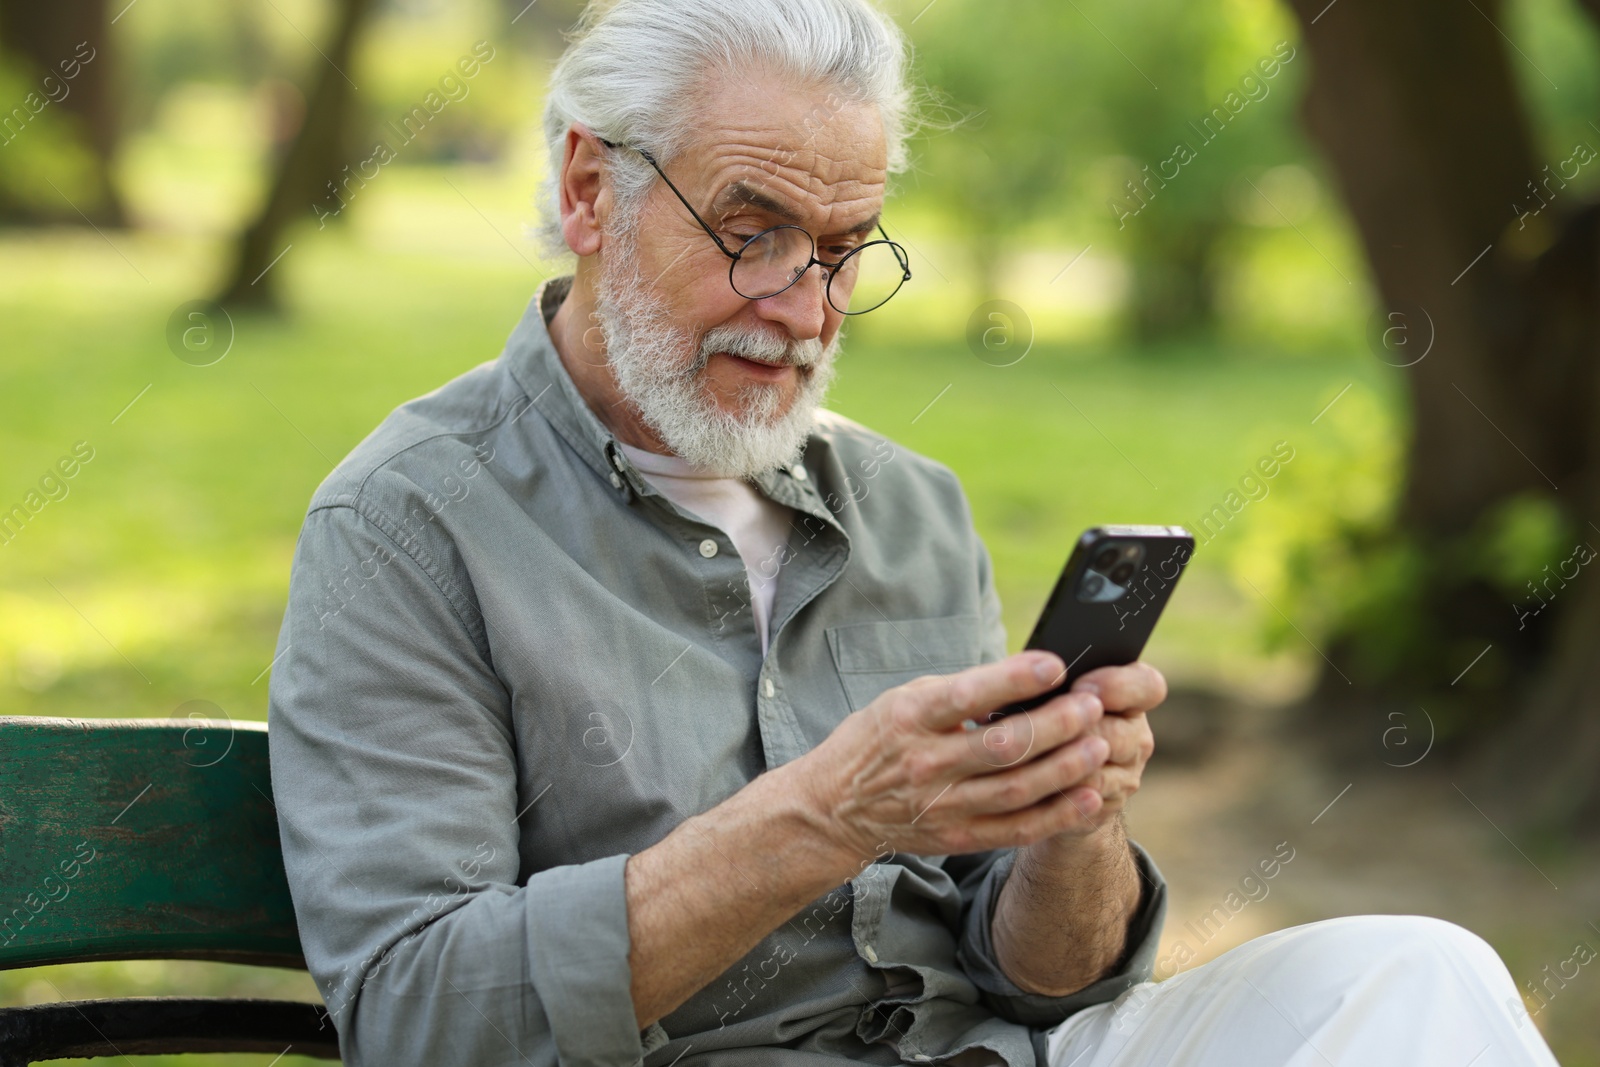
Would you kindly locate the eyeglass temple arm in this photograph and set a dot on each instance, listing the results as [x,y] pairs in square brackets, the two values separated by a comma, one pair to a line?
[899,253]
[650,159]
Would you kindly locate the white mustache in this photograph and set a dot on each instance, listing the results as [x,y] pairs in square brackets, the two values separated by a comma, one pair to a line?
[759,345]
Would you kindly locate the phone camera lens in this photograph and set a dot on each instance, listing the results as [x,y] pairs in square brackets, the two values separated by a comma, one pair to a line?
[1106,558]
[1092,584]
[1121,573]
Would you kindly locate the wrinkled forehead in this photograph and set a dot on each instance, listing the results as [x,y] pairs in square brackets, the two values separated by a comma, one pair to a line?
[795,153]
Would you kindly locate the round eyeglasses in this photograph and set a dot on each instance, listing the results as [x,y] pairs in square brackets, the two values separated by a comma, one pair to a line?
[861,280]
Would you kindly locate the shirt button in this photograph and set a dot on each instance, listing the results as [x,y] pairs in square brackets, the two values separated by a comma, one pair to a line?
[798,472]
[616,460]
[616,481]
[767,687]
[867,951]
[708,548]
[922,1057]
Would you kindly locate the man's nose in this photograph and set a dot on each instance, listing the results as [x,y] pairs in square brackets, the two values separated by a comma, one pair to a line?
[802,309]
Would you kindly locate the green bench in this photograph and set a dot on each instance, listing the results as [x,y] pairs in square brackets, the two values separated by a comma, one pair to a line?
[145,839]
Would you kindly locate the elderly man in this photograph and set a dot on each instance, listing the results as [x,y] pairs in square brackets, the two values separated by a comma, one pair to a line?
[624,702]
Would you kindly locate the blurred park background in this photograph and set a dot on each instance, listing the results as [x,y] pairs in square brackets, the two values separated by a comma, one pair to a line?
[1159,249]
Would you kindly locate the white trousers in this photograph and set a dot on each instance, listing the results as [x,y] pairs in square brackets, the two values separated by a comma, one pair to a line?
[1360,991]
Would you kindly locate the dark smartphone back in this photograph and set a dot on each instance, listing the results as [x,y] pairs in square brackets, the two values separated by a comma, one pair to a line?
[1108,598]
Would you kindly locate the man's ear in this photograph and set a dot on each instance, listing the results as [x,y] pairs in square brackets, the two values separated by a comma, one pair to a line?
[585,196]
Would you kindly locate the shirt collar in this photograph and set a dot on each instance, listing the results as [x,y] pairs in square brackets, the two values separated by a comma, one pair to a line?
[536,366]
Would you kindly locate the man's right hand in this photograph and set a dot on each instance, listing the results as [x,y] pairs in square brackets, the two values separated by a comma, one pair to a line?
[906,774]
[901,775]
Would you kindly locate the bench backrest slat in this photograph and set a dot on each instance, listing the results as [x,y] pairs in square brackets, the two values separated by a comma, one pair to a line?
[140,838]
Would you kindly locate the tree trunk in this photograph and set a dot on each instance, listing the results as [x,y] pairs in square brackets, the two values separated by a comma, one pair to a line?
[1414,107]
[1542,765]
[39,38]
[1173,288]
[984,258]
[314,158]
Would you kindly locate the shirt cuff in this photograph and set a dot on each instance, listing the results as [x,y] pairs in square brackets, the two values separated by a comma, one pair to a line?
[578,961]
[1006,999]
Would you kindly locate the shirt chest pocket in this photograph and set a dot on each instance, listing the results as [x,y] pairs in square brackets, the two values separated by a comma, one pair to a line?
[874,656]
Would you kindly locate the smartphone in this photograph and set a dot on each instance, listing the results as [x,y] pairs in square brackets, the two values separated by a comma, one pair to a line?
[1107,600]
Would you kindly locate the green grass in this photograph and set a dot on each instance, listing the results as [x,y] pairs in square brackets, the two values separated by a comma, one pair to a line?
[169,557]
[160,578]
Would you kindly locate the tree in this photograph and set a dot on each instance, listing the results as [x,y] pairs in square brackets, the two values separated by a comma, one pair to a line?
[46,41]
[1112,92]
[1470,237]
[314,158]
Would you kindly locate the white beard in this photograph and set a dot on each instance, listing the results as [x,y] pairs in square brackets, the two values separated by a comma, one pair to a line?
[658,364]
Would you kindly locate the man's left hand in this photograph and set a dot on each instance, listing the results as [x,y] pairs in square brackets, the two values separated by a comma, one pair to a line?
[1126,693]
[1063,919]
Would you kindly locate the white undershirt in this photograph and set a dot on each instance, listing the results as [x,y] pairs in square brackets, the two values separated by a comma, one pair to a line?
[758,527]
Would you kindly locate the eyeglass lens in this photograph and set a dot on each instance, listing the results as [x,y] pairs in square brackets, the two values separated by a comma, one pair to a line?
[771,261]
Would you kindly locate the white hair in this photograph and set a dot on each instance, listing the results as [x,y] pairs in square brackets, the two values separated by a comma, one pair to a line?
[630,69]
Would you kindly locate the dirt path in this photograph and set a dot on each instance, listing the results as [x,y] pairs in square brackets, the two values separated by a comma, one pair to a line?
[1397,840]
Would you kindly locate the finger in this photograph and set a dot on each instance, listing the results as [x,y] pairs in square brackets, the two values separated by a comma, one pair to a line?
[1073,812]
[1134,687]
[949,700]
[1021,787]
[1014,739]
[1115,785]
[1088,802]
[1129,736]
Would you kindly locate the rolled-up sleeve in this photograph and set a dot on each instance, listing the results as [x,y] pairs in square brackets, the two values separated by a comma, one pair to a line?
[394,773]
[980,878]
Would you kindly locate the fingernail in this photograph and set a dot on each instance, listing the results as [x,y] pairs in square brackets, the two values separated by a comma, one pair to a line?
[1046,668]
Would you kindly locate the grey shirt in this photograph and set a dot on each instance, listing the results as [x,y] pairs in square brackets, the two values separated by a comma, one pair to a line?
[507,663]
